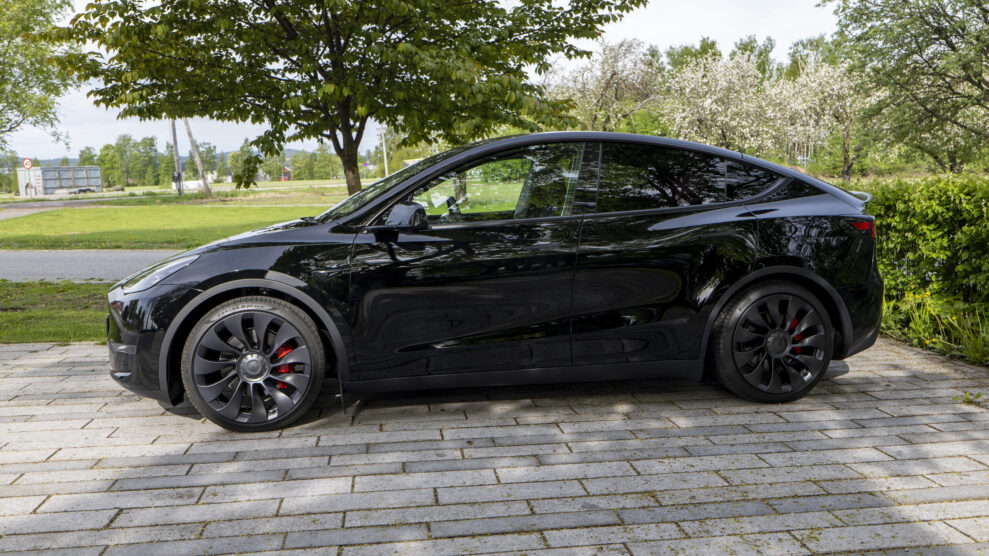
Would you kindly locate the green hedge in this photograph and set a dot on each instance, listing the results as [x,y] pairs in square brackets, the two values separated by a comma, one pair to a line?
[933,235]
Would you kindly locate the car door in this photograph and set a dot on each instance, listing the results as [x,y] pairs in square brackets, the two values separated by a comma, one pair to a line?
[487,287]
[655,253]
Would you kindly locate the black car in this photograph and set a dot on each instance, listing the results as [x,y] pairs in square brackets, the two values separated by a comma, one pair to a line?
[550,257]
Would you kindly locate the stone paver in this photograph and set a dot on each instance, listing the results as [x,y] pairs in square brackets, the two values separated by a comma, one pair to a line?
[879,458]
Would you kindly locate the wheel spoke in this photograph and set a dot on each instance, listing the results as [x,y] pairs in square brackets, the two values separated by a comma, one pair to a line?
[261,323]
[282,400]
[235,325]
[212,341]
[285,333]
[258,412]
[232,409]
[817,340]
[756,317]
[203,366]
[212,391]
[774,379]
[744,335]
[297,355]
[792,308]
[298,380]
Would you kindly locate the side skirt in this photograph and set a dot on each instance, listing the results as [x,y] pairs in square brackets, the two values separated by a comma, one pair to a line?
[687,369]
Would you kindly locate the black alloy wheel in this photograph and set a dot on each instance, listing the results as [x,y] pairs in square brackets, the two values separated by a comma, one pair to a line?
[253,364]
[773,343]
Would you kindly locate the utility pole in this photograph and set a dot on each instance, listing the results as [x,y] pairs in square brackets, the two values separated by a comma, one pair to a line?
[199,161]
[384,150]
[177,174]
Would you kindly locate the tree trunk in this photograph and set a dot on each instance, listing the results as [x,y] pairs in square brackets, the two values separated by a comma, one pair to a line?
[351,167]
[199,161]
[846,152]
[177,171]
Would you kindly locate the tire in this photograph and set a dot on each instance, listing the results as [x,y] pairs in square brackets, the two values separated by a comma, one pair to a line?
[773,342]
[248,380]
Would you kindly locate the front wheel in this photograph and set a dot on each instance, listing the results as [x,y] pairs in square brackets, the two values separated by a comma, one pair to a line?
[253,364]
[772,343]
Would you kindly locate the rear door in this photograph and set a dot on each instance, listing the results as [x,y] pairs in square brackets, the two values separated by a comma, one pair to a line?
[658,248]
[487,287]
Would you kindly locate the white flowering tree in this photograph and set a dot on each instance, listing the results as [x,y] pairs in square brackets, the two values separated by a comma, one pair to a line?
[618,81]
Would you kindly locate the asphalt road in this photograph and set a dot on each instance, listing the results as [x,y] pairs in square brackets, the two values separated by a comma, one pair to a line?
[78,265]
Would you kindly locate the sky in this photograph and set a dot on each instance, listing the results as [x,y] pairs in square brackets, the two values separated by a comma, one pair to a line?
[663,23]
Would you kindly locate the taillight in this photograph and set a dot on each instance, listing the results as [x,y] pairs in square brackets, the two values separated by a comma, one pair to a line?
[866,225]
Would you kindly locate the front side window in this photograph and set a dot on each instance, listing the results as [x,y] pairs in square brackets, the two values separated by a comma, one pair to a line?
[530,182]
[640,177]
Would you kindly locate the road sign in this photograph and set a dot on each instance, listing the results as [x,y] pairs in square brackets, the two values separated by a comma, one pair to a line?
[27,163]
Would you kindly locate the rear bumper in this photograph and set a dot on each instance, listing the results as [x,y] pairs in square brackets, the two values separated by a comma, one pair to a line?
[864,303]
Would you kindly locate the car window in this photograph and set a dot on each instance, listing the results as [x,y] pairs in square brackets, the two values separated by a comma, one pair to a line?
[531,182]
[744,181]
[638,177]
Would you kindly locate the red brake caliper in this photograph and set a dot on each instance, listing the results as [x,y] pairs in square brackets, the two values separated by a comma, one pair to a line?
[793,326]
[286,368]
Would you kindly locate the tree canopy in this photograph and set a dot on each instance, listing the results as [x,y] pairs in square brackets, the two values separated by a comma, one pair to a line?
[323,68]
[29,84]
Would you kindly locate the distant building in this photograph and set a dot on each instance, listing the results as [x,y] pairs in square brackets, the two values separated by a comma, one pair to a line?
[58,180]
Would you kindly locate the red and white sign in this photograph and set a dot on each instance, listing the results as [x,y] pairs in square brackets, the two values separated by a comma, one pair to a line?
[27,163]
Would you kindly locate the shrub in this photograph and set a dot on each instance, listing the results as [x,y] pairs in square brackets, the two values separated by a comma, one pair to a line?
[933,235]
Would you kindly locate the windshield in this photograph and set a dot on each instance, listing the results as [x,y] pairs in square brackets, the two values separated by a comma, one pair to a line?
[368,193]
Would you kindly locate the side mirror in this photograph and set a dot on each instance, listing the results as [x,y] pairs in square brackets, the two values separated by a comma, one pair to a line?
[406,216]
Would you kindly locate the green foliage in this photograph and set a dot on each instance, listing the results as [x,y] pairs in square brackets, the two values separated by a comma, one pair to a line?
[937,323]
[315,69]
[29,83]
[967,397]
[928,61]
[933,234]
[678,57]
[87,157]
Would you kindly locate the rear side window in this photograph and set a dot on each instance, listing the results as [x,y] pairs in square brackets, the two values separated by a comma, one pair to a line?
[640,177]
[744,181]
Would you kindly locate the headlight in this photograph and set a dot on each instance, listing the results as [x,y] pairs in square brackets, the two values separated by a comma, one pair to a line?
[156,273]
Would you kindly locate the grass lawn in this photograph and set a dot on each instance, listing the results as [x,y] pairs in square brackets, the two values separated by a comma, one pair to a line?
[323,196]
[167,226]
[52,312]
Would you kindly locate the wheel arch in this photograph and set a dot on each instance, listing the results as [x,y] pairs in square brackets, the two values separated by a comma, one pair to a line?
[273,284]
[826,294]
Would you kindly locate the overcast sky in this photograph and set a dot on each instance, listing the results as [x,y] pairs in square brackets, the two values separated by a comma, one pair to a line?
[663,23]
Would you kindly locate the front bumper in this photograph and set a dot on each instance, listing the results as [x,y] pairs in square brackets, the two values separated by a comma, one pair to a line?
[135,327]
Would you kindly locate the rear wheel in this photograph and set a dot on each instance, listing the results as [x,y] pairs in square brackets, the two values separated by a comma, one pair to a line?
[253,364]
[772,343]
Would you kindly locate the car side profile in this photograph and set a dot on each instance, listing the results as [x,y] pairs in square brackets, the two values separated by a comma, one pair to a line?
[550,257]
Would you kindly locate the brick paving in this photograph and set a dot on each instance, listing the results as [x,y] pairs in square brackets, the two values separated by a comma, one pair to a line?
[879,459]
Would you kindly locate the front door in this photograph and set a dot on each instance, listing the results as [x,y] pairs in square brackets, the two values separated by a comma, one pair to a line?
[487,287]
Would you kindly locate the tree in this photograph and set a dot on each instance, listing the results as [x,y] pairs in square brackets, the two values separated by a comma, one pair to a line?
[166,167]
[9,162]
[144,162]
[720,102]
[109,164]
[29,84]
[64,161]
[931,57]
[761,53]
[273,165]
[607,91]
[679,57]
[87,157]
[322,69]
[303,166]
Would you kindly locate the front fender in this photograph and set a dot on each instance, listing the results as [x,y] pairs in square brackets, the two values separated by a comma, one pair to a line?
[329,318]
